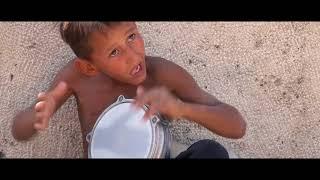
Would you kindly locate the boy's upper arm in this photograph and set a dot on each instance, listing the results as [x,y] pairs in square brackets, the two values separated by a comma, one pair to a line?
[184,86]
[66,75]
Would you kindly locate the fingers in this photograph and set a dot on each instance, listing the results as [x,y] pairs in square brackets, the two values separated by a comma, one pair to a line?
[155,98]
[140,91]
[40,106]
[44,106]
[140,97]
[41,96]
[42,113]
[41,122]
[145,100]
[145,97]
[153,109]
[40,126]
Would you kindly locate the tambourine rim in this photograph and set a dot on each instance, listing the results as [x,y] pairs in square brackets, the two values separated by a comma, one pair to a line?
[124,100]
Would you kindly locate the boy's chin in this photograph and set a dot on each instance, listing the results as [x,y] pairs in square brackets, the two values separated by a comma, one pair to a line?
[138,81]
[130,80]
[134,82]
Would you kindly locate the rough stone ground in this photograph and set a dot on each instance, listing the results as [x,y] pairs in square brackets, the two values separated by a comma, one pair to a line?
[268,70]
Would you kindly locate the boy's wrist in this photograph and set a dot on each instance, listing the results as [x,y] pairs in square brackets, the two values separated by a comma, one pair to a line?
[181,107]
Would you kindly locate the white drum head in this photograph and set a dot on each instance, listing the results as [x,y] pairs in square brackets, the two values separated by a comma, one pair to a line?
[122,133]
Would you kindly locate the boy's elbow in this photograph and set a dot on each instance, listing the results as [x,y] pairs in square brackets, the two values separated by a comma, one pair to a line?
[241,130]
[241,125]
[238,133]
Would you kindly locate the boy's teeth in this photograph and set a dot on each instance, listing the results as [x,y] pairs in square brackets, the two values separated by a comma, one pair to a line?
[136,69]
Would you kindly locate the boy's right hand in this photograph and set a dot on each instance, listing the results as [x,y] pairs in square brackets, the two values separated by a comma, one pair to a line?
[46,105]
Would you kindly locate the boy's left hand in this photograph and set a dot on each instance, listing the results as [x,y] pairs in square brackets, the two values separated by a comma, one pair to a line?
[159,99]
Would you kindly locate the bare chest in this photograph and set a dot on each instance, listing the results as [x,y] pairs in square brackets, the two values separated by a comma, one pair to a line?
[93,99]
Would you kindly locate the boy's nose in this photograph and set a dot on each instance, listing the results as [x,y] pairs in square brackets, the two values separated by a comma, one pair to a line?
[133,56]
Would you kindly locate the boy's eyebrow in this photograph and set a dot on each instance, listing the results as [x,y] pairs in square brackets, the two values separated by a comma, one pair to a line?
[111,48]
[129,30]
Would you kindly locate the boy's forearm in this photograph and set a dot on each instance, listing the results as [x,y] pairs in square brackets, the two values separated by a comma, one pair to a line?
[22,128]
[221,119]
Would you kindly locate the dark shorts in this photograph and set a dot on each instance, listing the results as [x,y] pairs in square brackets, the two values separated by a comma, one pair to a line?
[204,149]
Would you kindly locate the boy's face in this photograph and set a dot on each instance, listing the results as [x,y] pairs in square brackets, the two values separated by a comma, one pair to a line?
[119,53]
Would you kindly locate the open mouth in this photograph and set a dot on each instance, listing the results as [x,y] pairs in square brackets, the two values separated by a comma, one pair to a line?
[136,70]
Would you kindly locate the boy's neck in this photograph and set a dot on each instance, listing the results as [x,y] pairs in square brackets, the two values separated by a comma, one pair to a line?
[117,83]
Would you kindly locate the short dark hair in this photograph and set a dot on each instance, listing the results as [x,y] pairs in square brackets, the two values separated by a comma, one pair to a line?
[76,35]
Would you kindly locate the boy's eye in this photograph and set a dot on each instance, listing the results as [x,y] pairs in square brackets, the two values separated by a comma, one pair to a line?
[114,52]
[132,37]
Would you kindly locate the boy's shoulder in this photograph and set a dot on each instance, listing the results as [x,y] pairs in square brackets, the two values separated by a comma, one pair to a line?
[67,73]
[160,65]
[167,71]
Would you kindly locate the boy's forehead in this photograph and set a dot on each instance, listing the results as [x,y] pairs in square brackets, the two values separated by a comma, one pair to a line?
[110,34]
[115,30]
[127,23]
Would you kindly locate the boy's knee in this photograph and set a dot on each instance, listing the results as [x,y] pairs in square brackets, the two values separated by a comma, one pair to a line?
[208,149]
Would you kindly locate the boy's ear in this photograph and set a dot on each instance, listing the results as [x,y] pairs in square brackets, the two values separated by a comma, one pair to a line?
[85,67]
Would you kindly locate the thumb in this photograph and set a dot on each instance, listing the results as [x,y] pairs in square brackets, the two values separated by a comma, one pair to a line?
[39,126]
[140,91]
[60,89]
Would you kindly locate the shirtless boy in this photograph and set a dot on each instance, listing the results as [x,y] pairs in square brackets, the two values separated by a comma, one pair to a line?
[111,61]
